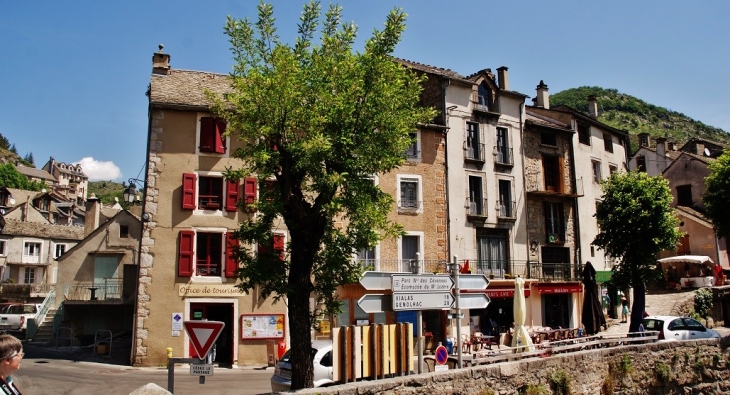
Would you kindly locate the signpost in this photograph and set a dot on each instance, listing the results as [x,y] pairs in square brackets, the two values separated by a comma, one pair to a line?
[442,356]
[422,283]
[203,335]
[422,301]
[375,303]
[473,282]
[473,301]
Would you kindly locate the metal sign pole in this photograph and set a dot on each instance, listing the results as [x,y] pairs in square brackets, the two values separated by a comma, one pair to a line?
[171,371]
[455,274]
[419,319]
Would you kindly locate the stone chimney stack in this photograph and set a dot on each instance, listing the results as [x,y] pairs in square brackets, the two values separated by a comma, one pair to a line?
[700,148]
[661,146]
[160,62]
[643,139]
[593,106]
[503,77]
[93,212]
[543,97]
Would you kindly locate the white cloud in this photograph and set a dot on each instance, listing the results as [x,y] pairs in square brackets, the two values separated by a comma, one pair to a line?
[98,170]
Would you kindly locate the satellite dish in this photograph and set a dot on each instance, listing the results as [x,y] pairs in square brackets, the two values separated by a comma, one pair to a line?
[707,152]
[11,201]
[44,190]
[116,199]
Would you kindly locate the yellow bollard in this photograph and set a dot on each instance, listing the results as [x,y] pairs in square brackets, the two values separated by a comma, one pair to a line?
[169,352]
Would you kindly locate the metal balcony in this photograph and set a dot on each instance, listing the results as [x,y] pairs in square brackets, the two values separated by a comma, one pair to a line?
[474,153]
[476,208]
[506,210]
[503,156]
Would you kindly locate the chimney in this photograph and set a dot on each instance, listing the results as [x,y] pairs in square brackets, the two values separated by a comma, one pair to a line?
[643,139]
[503,78]
[700,148]
[93,212]
[661,146]
[160,62]
[671,146]
[543,97]
[593,106]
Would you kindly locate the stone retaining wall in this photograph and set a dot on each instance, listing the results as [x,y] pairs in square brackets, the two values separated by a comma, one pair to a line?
[691,367]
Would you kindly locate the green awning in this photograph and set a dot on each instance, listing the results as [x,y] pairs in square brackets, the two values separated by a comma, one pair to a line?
[603,276]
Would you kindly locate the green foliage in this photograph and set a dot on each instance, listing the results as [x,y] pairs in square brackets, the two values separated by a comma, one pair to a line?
[28,158]
[4,142]
[533,389]
[662,373]
[10,177]
[320,120]
[107,191]
[717,194]
[560,382]
[627,112]
[636,222]
[625,365]
[703,302]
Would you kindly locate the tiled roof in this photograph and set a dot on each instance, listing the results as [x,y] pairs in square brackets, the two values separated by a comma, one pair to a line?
[187,88]
[35,173]
[21,195]
[540,120]
[20,228]
[694,213]
[432,70]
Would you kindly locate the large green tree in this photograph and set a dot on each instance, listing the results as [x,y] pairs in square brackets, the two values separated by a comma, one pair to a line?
[636,222]
[717,194]
[320,120]
[10,177]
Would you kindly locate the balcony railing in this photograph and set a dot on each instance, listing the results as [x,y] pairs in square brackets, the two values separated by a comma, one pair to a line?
[409,206]
[503,156]
[23,291]
[476,207]
[474,152]
[506,210]
[536,184]
[494,269]
[108,291]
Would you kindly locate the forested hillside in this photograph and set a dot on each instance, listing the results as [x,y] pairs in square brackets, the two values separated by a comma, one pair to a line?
[629,113]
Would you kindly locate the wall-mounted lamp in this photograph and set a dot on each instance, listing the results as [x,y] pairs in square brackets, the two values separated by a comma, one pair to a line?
[130,192]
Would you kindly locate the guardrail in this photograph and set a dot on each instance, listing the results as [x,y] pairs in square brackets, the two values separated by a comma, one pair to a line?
[35,322]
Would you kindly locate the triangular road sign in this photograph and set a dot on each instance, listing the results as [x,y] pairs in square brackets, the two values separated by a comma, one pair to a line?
[203,335]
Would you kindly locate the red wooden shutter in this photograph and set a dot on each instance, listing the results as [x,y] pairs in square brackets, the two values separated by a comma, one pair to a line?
[279,244]
[207,134]
[231,195]
[220,140]
[231,261]
[188,191]
[250,185]
[185,255]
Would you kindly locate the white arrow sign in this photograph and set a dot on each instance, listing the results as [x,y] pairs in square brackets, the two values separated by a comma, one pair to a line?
[377,281]
[473,301]
[473,282]
[375,303]
[422,283]
[422,301]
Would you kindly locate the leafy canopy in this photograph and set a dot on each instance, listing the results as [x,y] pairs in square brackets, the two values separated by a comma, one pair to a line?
[10,177]
[717,194]
[636,222]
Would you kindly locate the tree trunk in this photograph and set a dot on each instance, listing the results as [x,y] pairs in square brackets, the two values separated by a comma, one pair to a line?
[638,306]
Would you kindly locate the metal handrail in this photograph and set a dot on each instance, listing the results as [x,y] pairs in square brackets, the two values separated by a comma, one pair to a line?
[475,152]
[82,290]
[34,323]
[473,208]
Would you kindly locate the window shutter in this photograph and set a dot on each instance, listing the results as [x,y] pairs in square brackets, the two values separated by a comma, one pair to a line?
[231,195]
[207,134]
[220,141]
[279,244]
[250,186]
[185,255]
[231,261]
[188,191]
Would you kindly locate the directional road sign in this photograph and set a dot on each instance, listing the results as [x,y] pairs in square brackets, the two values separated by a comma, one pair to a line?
[203,335]
[473,282]
[375,303]
[422,301]
[473,301]
[377,281]
[422,283]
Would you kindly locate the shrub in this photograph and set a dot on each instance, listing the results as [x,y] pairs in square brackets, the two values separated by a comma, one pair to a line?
[662,373]
[703,302]
[560,382]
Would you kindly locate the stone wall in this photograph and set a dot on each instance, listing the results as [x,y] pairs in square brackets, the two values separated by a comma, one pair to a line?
[691,367]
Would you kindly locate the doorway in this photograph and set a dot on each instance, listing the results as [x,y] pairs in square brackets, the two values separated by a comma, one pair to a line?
[217,312]
[556,310]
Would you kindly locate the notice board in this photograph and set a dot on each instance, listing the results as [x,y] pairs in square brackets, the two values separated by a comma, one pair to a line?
[262,326]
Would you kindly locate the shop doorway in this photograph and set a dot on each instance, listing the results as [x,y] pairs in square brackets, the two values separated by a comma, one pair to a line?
[217,312]
[556,310]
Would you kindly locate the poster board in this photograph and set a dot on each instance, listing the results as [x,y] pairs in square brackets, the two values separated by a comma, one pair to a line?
[262,326]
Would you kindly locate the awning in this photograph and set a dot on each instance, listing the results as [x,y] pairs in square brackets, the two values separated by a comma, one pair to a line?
[559,288]
[698,259]
[602,276]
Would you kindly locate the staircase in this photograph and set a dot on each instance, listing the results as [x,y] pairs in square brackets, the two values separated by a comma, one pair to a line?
[44,335]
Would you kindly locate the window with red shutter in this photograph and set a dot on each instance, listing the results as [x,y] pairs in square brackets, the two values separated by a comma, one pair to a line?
[279,245]
[231,195]
[207,134]
[185,253]
[219,136]
[250,186]
[188,191]
[231,261]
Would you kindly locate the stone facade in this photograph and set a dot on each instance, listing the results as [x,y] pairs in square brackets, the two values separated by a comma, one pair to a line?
[689,367]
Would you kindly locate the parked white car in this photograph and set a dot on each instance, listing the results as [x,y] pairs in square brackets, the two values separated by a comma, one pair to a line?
[322,359]
[678,328]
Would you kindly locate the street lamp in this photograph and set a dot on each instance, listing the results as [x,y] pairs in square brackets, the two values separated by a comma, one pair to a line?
[130,192]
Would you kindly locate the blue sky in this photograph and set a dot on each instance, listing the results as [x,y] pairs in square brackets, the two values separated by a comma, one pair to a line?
[73,73]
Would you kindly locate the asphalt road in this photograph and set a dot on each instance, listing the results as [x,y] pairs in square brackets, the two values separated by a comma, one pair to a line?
[39,375]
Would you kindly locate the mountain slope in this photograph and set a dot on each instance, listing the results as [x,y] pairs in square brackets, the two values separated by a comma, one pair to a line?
[629,113]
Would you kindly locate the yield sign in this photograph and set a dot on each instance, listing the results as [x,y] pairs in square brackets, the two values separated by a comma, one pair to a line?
[203,335]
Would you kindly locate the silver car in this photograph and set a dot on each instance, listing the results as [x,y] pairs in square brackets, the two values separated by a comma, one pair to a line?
[321,358]
[672,328]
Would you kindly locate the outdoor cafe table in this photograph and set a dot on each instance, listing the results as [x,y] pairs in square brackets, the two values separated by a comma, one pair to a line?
[481,340]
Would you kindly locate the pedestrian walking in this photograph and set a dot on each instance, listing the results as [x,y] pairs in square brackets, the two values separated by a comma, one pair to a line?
[11,352]
[624,309]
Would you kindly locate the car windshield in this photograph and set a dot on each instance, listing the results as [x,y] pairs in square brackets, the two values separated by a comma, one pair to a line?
[287,355]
